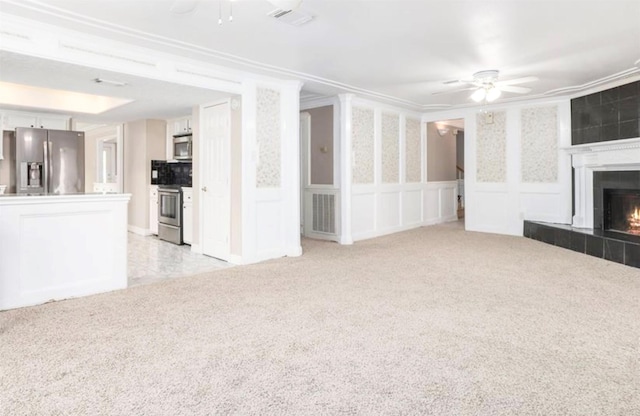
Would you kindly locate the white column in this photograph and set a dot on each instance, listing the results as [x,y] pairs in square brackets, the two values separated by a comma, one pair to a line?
[249,160]
[345,168]
[583,195]
[291,167]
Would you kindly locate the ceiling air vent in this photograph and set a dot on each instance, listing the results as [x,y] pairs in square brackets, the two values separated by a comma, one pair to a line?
[292,17]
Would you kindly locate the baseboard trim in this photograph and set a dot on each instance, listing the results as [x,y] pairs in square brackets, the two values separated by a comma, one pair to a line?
[235,259]
[138,230]
[294,251]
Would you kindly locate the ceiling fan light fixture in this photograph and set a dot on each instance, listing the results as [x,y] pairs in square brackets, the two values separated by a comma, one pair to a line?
[493,94]
[479,95]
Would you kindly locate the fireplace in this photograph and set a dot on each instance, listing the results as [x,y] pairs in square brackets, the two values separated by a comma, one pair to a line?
[616,197]
[606,221]
[621,210]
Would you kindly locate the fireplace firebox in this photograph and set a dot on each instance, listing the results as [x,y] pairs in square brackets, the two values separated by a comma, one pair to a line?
[622,210]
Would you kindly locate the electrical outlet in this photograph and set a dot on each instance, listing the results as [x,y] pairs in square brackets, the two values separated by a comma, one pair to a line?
[488,118]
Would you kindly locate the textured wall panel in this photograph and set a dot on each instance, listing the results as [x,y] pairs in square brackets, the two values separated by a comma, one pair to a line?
[390,148]
[539,144]
[268,138]
[362,144]
[491,148]
[413,153]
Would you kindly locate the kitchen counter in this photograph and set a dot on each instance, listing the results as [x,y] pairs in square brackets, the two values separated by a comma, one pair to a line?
[56,247]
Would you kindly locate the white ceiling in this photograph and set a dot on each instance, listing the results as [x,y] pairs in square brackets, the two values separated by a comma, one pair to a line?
[152,98]
[398,51]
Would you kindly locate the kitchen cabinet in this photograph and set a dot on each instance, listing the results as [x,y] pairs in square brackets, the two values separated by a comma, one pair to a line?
[182,126]
[13,119]
[153,209]
[187,215]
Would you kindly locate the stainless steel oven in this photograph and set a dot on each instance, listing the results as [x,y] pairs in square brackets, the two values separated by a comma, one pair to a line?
[170,214]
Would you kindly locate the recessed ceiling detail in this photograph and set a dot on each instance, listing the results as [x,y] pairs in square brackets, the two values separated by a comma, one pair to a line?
[50,99]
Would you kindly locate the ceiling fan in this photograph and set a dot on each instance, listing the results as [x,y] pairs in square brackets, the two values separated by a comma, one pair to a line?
[487,87]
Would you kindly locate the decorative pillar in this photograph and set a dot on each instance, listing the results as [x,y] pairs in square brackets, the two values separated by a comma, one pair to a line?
[345,168]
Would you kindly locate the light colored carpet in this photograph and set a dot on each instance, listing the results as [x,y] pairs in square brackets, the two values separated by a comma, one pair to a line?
[433,321]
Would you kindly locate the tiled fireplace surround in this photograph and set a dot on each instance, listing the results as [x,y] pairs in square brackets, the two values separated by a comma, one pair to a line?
[596,166]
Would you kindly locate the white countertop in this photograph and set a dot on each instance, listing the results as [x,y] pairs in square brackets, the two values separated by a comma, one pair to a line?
[25,199]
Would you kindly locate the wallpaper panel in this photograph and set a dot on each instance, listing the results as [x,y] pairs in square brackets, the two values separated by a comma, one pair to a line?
[268,138]
[491,149]
[412,151]
[390,148]
[539,145]
[362,131]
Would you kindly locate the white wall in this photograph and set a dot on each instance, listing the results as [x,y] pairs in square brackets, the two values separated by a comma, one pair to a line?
[270,171]
[507,166]
[144,140]
[385,194]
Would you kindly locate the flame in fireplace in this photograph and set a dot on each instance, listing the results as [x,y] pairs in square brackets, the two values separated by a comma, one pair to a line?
[634,221]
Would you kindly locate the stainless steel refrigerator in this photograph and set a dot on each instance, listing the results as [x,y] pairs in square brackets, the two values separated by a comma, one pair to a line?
[49,161]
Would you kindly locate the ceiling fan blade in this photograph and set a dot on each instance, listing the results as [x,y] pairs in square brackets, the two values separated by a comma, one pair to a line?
[183,6]
[453,91]
[458,81]
[515,81]
[519,90]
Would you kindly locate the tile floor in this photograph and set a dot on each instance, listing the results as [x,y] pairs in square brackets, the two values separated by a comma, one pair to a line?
[152,260]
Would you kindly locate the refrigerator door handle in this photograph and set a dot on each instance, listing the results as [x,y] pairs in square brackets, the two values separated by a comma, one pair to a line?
[50,172]
[45,173]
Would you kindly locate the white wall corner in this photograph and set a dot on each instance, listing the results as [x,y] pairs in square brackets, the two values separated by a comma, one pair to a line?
[249,158]
[346,106]
[290,118]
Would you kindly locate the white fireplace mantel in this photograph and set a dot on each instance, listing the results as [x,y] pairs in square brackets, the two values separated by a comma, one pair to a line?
[602,156]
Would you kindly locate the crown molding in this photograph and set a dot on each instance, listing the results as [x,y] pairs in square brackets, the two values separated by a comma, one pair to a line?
[606,80]
[624,144]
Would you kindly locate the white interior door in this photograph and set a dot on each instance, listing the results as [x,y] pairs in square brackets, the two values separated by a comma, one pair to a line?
[215,216]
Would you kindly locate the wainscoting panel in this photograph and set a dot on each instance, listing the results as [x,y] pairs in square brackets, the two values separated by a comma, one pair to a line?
[363,215]
[539,206]
[269,224]
[380,210]
[440,202]
[388,211]
[431,205]
[447,201]
[486,212]
[412,207]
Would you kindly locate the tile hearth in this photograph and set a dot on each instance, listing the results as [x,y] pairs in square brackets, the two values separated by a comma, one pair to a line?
[618,247]
[152,260]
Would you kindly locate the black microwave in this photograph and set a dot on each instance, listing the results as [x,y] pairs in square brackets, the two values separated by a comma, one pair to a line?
[183,146]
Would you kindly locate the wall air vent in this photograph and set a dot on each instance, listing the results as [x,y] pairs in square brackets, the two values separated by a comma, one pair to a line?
[324,208]
[292,17]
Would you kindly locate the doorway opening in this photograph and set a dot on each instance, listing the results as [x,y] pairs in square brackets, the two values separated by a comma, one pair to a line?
[445,157]
[319,195]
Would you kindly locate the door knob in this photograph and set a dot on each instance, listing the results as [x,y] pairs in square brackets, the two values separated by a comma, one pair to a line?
[204,189]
